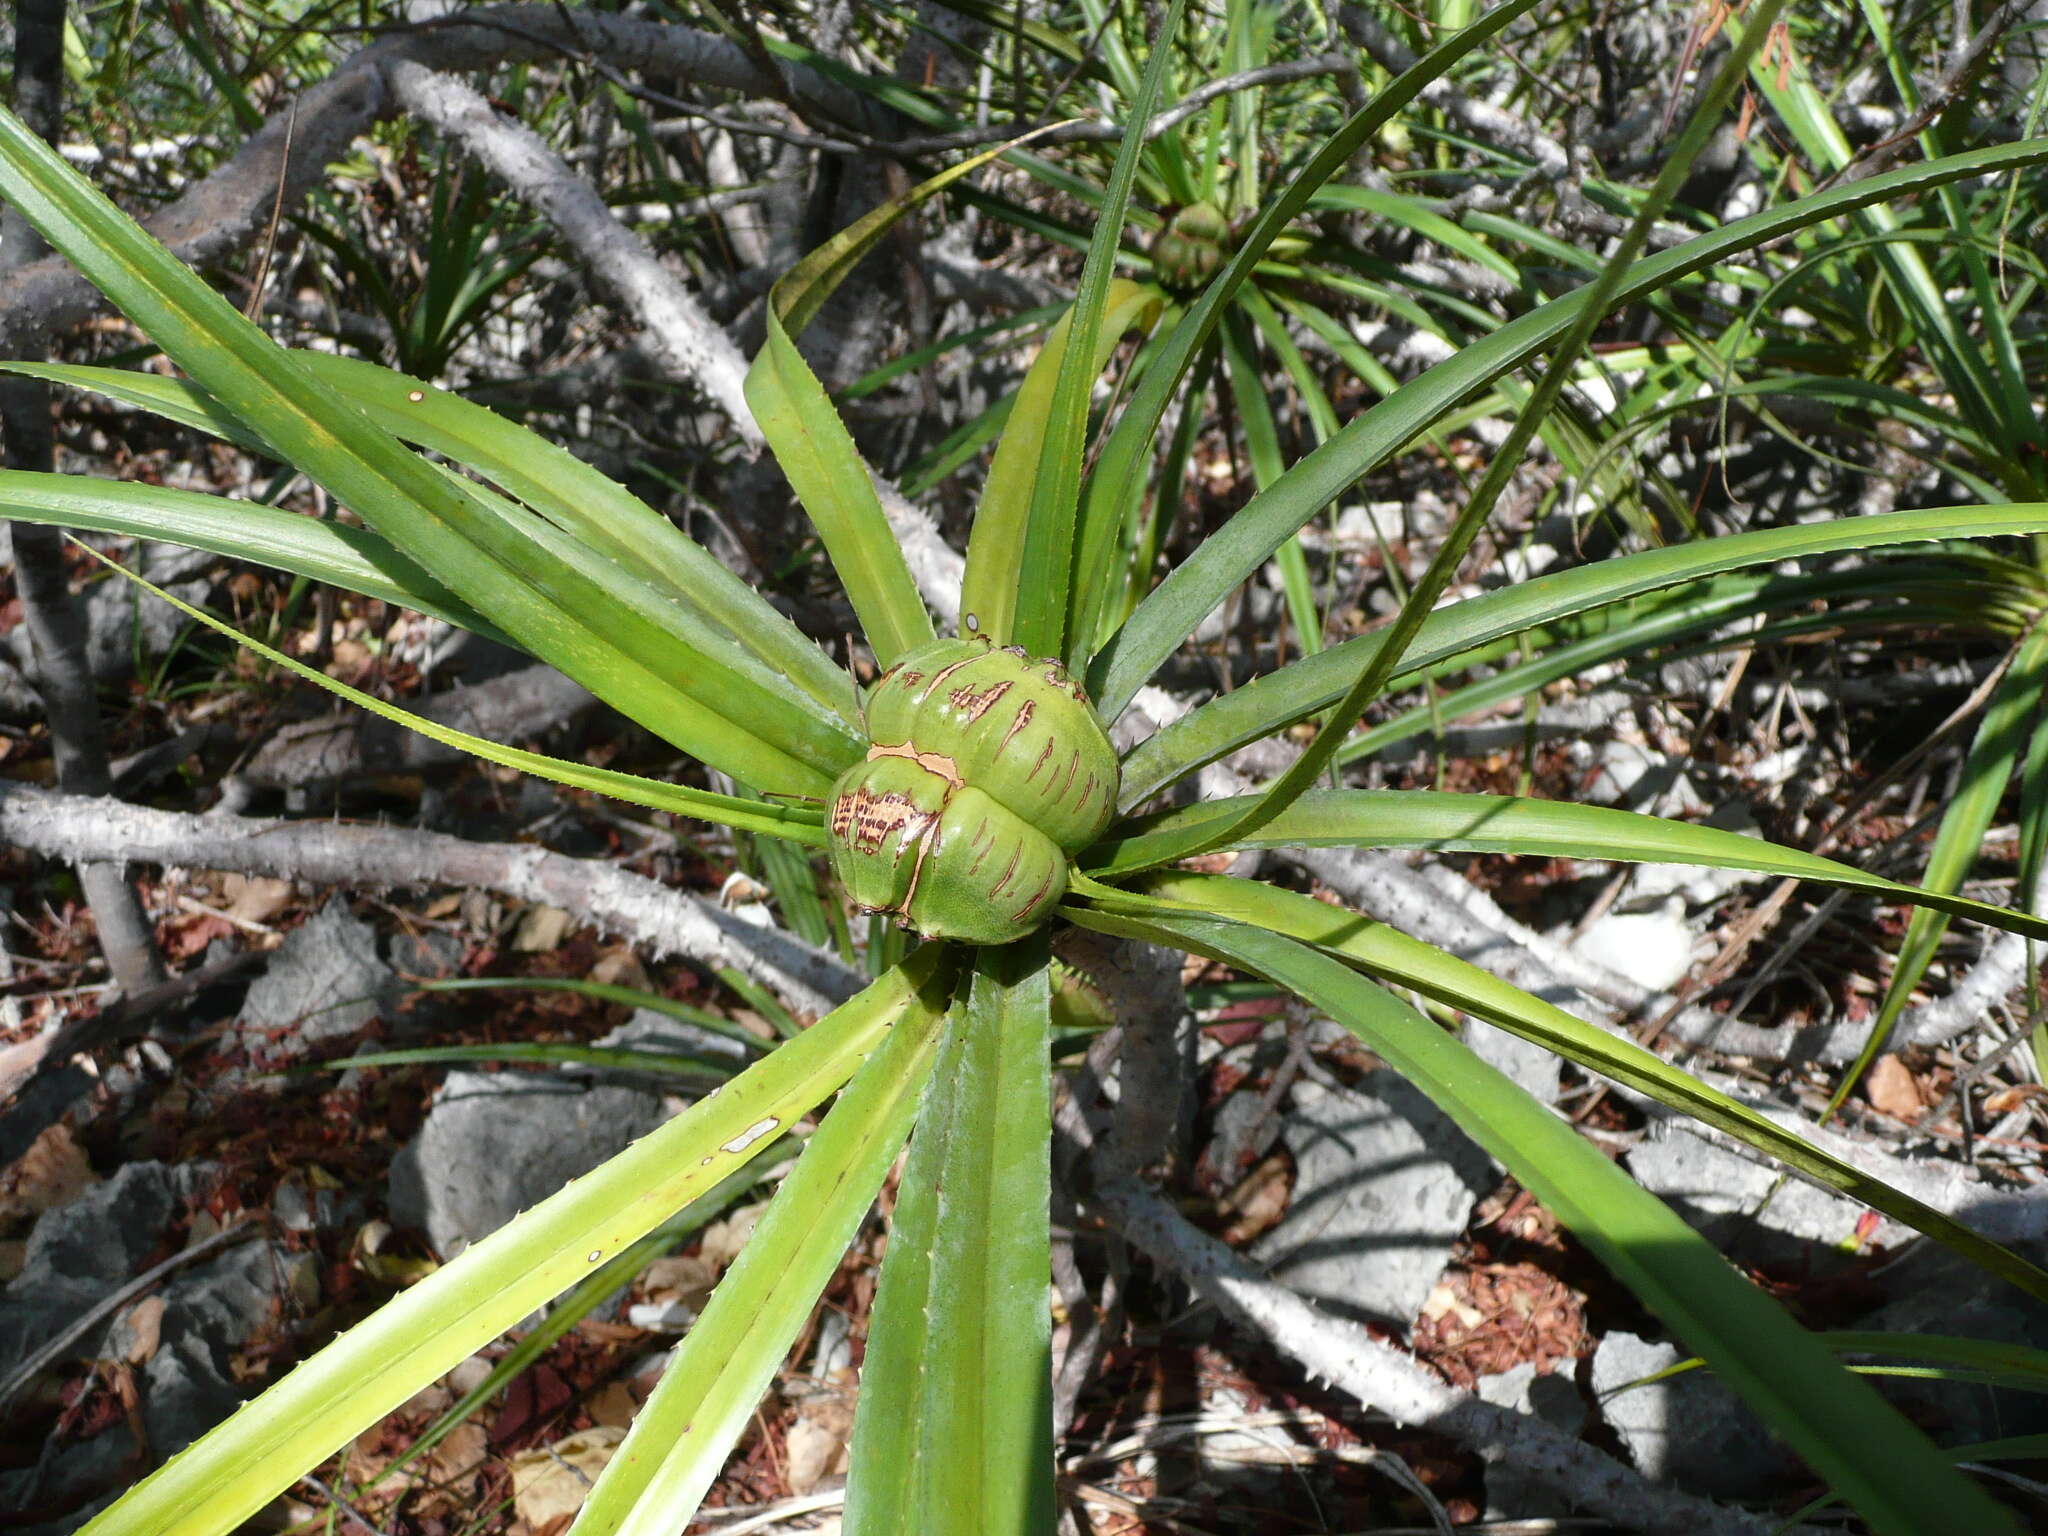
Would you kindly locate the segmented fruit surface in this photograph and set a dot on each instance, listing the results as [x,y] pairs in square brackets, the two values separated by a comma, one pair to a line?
[986,772]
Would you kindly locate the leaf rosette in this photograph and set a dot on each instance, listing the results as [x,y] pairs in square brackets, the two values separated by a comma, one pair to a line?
[986,772]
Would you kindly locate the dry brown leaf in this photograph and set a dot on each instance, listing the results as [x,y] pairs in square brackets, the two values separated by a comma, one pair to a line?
[620,967]
[144,1325]
[816,1447]
[1258,1201]
[551,1483]
[613,1405]
[540,929]
[451,1471]
[723,1240]
[683,1279]
[442,1479]
[1892,1089]
[254,898]
[54,1171]
[433,1398]
[2013,1097]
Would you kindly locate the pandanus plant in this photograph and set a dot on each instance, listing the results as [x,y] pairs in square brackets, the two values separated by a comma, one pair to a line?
[971,793]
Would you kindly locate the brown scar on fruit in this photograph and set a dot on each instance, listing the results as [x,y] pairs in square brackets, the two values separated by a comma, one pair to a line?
[943,673]
[865,820]
[1023,718]
[978,704]
[935,763]
[1036,897]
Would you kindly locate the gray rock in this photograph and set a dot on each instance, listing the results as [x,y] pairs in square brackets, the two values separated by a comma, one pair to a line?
[325,981]
[1724,1196]
[1512,1494]
[80,1253]
[210,1311]
[1384,1185]
[1688,1429]
[497,1142]
[434,953]
[1939,1293]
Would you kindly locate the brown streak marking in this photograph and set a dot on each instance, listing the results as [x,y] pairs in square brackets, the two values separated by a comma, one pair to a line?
[1024,714]
[942,674]
[866,819]
[1073,767]
[1025,910]
[1049,745]
[1008,874]
[977,704]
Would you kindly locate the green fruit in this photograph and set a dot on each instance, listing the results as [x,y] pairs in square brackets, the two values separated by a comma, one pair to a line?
[987,771]
[1190,249]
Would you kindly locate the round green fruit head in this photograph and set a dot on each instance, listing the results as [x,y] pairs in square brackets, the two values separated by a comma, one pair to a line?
[1190,249]
[986,773]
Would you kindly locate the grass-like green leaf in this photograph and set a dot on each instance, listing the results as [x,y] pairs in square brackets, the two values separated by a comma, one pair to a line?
[1394,957]
[598,991]
[814,448]
[552,1053]
[1444,564]
[1180,603]
[714,1382]
[237,1468]
[1987,770]
[562,610]
[588,506]
[1401,818]
[1044,575]
[1881,1464]
[1128,450]
[354,559]
[953,1435]
[803,824]
[1296,691]
[995,551]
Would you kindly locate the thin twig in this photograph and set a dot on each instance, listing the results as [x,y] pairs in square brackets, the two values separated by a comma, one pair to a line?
[337,853]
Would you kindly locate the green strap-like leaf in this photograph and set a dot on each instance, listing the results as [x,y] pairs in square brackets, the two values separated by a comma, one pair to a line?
[1044,577]
[1635,632]
[1506,461]
[1230,555]
[354,559]
[953,1435]
[239,1467]
[714,1381]
[1131,442]
[645,571]
[797,823]
[816,451]
[995,550]
[1844,1430]
[584,503]
[1271,703]
[1421,818]
[1394,957]
[560,610]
